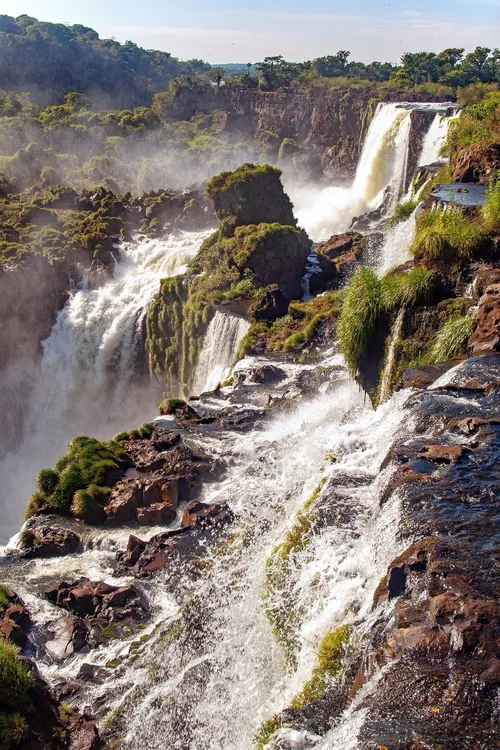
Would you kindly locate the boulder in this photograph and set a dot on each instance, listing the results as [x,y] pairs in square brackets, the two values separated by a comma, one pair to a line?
[422,376]
[97,602]
[267,374]
[124,500]
[486,336]
[477,163]
[43,538]
[158,514]
[271,305]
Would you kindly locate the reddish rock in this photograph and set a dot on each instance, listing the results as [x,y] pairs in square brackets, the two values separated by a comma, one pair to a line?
[13,632]
[125,498]
[151,494]
[486,336]
[422,376]
[483,279]
[159,514]
[46,538]
[342,247]
[477,163]
[170,493]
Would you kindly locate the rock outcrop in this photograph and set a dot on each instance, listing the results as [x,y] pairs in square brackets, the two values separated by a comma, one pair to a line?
[477,163]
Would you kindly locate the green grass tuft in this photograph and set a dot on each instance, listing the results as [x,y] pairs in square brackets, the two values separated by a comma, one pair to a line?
[446,234]
[452,339]
[13,730]
[403,211]
[358,317]
[491,209]
[405,290]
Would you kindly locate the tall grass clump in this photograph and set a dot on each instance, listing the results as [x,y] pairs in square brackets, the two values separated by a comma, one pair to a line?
[358,317]
[446,234]
[403,211]
[13,730]
[451,339]
[491,209]
[405,290]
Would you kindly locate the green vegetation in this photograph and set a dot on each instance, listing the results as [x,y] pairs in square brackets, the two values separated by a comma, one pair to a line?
[15,703]
[403,211]
[292,331]
[329,665]
[360,310]
[79,482]
[446,235]
[143,432]
[265,732]
[280,603]
[451,339]
[13,730]
[491,209]
[479,120]
[4,599]
[406,289]
[170,406]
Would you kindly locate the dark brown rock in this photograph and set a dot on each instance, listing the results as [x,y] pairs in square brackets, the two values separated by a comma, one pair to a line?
[124,500]
[477,163]
[271,305]
[159,514]
[422,376]
[486,336]
[44,538]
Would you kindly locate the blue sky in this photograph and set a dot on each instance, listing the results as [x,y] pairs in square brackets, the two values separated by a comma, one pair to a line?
[234,31]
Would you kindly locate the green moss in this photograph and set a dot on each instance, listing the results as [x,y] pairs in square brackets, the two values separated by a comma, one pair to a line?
[35,502]
[4,598]
[27,539]
[82,474]
[170,406]
[329,665]
[265,732]
[280,606]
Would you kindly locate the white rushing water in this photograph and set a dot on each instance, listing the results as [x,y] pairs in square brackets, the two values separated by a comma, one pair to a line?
[435,139]
[220,347]
[213,690]
[86,381]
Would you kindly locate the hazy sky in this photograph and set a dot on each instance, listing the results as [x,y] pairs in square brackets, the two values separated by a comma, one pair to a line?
[235,31]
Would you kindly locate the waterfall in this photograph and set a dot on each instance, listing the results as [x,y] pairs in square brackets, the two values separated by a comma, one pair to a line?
[220,347]
[380,174]
[435,139]
[387,374]
[87,381]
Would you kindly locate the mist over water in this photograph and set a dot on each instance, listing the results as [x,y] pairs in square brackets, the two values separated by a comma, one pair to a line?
[87,381]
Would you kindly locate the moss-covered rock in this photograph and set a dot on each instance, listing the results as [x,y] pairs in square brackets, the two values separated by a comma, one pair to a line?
[251,194]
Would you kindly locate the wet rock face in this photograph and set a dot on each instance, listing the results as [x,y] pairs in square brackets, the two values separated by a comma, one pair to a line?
[89,599]
[477,163]
[486,336]
[201,523]
[43,537]
[166,472]
[15,622]
[441,640]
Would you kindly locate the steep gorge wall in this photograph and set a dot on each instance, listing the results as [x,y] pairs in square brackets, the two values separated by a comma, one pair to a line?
[30,298]
[332,124]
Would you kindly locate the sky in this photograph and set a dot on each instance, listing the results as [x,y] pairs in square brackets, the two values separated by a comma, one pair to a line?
[222,31]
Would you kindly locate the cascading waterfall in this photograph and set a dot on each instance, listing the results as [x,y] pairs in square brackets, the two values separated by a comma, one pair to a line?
[86,381]
[323,212]
[398,239]
[220,347]
[435,139]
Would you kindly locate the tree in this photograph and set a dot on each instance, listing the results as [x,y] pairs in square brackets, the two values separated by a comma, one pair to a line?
[332,66]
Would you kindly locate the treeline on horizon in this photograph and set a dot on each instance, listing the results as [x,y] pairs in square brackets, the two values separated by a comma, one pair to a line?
[49,60]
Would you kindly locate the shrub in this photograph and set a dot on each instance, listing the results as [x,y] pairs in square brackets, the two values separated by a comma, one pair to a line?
[491,209]
[27,539]
[15,679]
[47,481]
[13,730]
[89,504]
[451,339]
[403,211]
[35,502]
[446,234]
[358,317]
